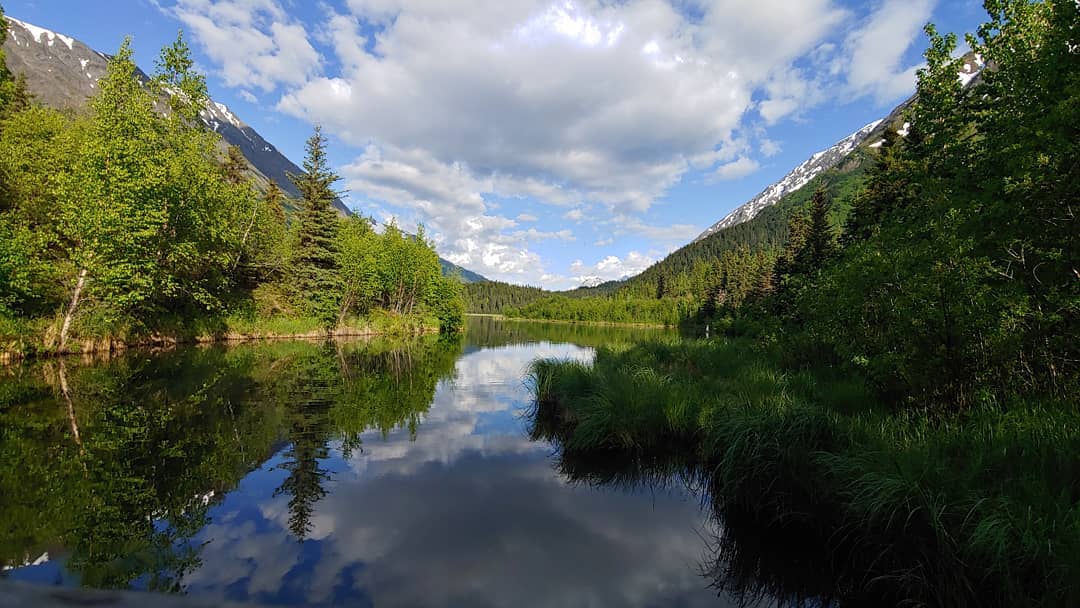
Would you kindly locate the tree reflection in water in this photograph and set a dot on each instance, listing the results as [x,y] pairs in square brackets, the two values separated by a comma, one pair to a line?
[749,560]
[116,464]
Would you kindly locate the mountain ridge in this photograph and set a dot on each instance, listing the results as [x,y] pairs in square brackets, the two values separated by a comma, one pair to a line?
[795,179]
[33,51]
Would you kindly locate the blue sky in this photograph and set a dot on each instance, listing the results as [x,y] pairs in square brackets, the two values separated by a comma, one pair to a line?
[542,142]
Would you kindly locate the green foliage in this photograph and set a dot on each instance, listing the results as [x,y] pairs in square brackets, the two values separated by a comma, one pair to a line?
[667,311]
[124,222]
[447,302]
[395,272]
[492,297]
[959,275]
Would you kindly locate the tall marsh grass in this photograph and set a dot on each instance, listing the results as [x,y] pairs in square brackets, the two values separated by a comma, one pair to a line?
[980,508]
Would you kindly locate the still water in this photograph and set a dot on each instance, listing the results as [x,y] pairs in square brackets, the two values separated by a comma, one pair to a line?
[380,473]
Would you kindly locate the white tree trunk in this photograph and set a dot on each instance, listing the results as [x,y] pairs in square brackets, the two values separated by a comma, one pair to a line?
[71,309]
[70,406]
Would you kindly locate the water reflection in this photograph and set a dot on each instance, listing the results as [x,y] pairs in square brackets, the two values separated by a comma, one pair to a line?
[749,560]
[372,473]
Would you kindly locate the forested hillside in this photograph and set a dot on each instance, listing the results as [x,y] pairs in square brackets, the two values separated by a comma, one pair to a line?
[496,297]
[734,261]
[728,264]
[125,223]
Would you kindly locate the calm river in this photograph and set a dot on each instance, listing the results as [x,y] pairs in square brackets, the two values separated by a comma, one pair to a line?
[361,473]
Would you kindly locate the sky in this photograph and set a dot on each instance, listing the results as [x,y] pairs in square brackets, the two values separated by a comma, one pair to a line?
[541,142]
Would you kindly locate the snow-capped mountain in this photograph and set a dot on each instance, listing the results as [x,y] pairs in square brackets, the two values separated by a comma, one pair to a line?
[63,72]
[970,73]
[797,178]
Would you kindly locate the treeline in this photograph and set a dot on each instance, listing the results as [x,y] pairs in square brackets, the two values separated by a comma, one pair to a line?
[494,297]
[667,311]
[127,221]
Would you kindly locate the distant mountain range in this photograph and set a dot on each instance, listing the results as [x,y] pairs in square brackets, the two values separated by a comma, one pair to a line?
[63,73]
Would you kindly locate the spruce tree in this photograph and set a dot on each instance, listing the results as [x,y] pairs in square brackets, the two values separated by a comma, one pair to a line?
[315,276]
[235,166]
[886,190]
[820,240]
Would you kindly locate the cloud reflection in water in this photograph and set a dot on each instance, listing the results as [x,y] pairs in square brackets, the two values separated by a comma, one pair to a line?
[470,513]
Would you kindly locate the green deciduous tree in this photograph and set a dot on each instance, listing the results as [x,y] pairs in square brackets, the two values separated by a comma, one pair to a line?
[147,221]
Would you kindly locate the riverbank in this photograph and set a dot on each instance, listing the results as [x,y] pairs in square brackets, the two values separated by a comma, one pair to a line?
[568,322]
[31,340]
[979,508]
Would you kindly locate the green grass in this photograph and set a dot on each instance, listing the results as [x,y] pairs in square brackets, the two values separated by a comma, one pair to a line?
[976,509]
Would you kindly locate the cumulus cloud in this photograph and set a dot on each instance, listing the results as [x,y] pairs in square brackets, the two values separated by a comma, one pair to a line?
[874,52]
[610,268]
[671,234]
[254,42]
[577,103]
[574,215]
[769,147]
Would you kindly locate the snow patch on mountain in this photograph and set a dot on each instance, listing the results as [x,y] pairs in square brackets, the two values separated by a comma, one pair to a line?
[37,33]
[796,179]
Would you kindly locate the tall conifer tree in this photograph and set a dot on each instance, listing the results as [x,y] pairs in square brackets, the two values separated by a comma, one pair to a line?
[315,262]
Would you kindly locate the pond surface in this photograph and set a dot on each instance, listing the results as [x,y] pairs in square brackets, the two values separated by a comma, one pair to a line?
[381,473]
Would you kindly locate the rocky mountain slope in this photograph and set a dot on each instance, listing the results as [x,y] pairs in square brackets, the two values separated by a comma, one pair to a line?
[796,179]
[62,72]
[870,136]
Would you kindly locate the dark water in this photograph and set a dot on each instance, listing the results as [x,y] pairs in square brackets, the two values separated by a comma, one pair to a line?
[361,473]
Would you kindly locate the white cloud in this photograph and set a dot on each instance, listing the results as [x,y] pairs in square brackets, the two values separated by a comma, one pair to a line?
[604,242]
[254,42]
[581,104]
[609,268]
[736,169]
[671,234]
[873,54]
[527,217]
[526,92]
